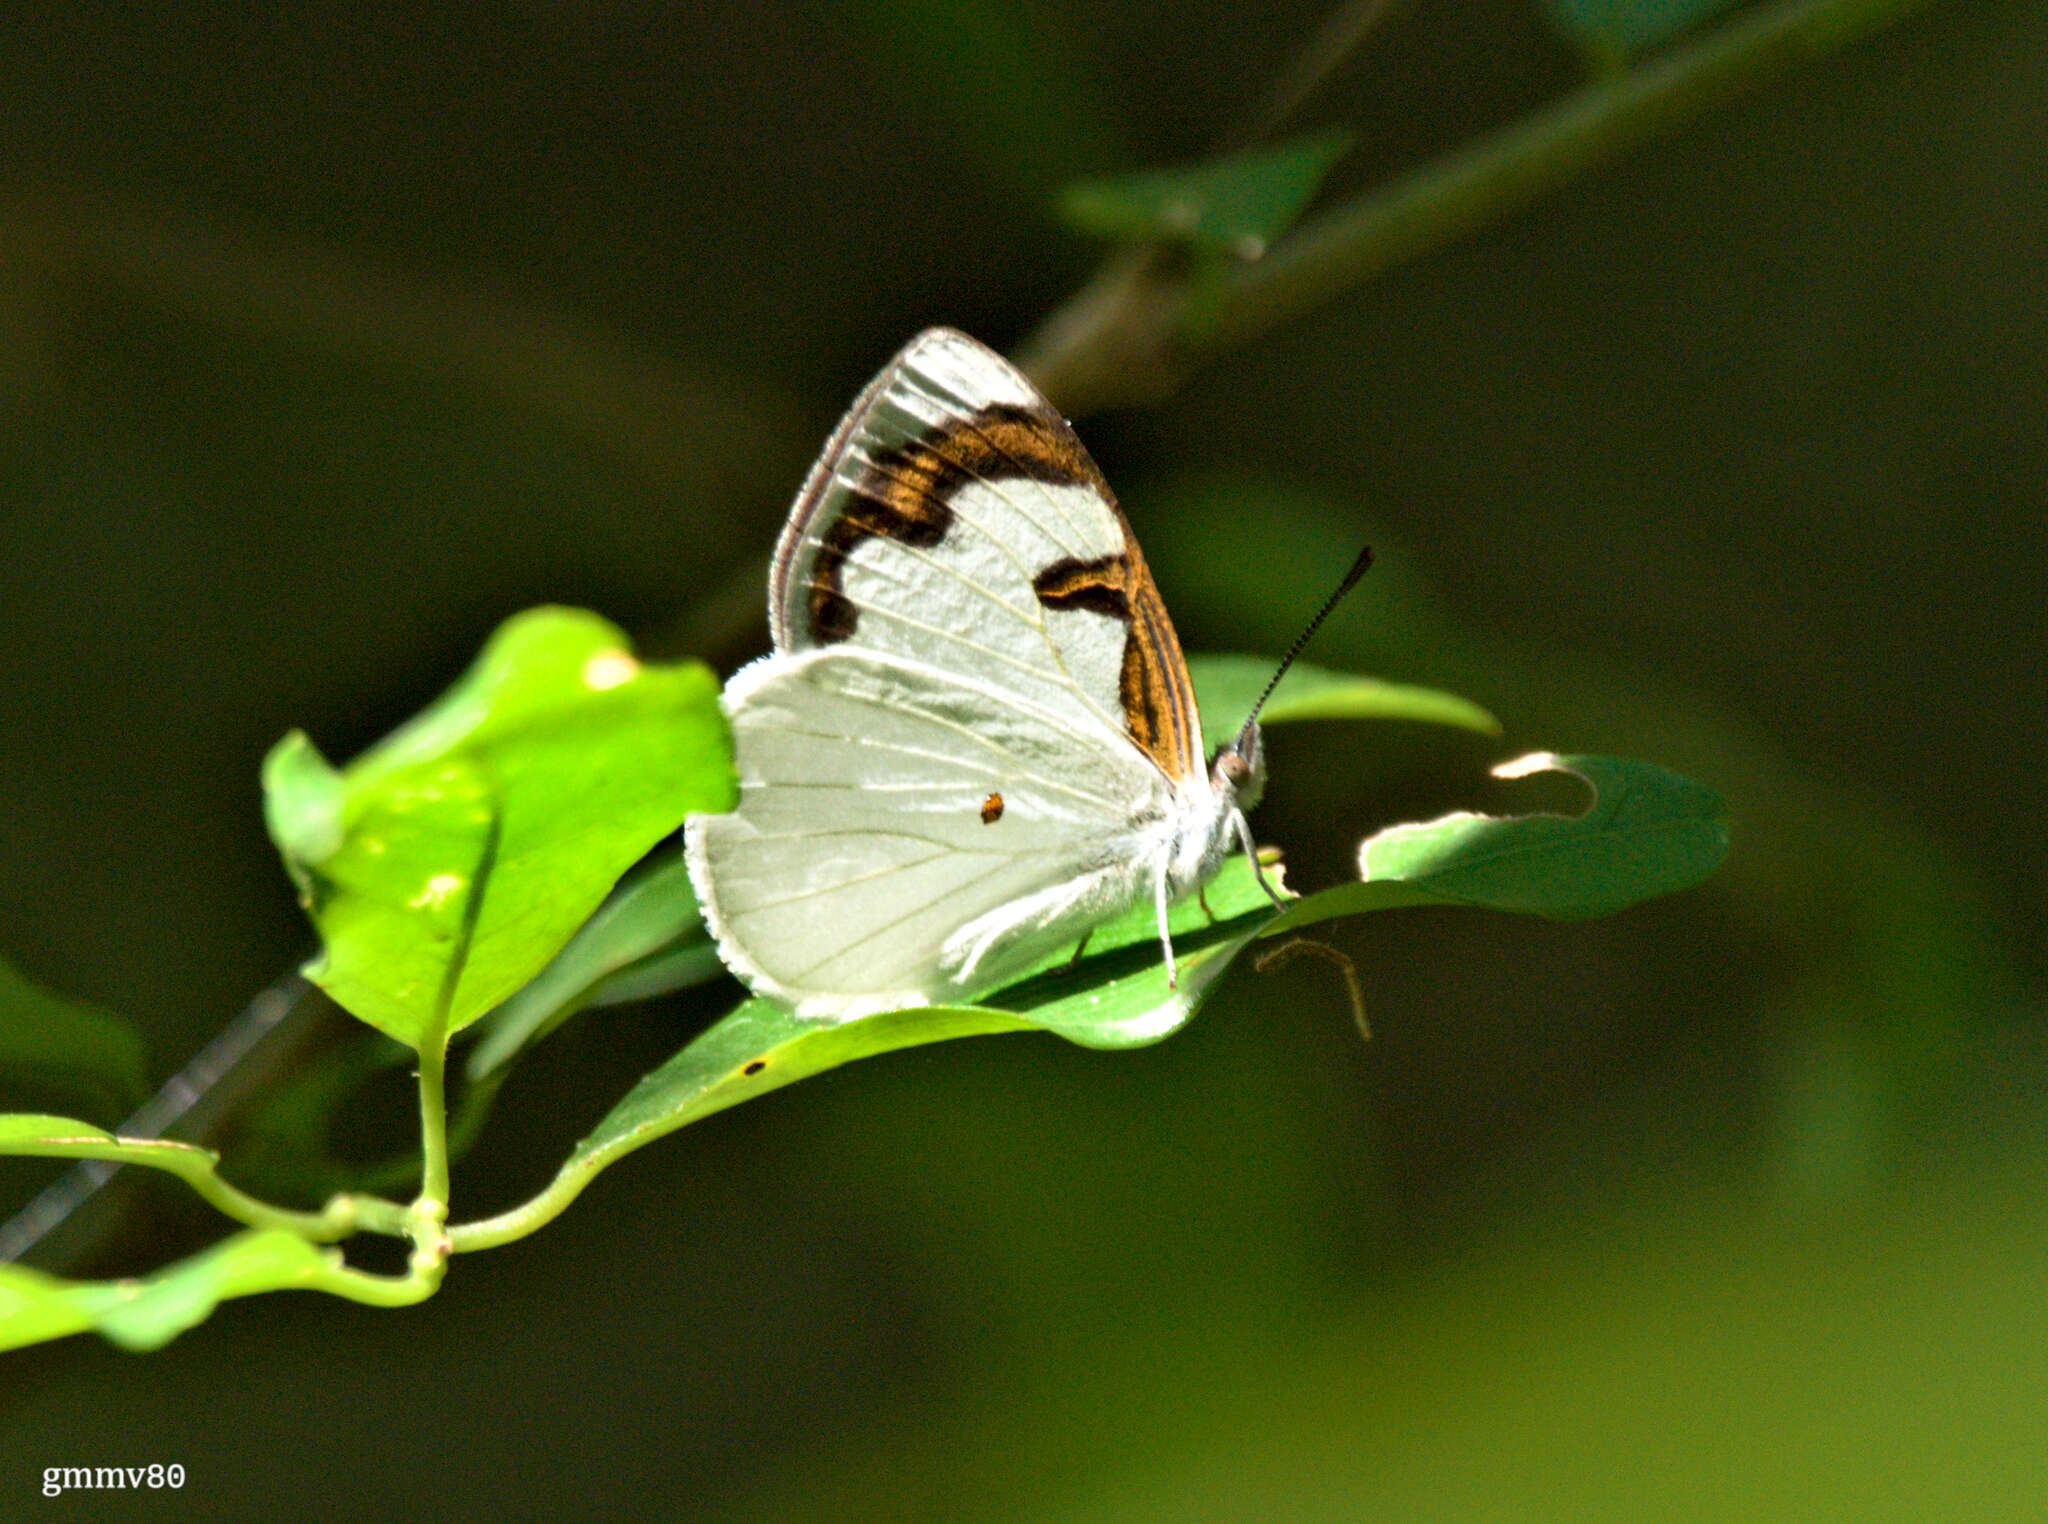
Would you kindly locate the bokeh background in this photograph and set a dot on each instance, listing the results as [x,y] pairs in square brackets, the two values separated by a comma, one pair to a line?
[329,336]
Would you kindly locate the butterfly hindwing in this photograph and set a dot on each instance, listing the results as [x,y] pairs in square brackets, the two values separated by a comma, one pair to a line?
[900,832]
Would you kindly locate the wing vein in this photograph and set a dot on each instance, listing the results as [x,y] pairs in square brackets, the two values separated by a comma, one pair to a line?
[952,891]
[1061,673]
[757,906]
[1102,800]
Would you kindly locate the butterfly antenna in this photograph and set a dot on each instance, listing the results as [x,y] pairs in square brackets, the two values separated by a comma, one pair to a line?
[1358,569]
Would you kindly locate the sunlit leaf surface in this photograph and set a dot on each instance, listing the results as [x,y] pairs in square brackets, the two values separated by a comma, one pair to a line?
[1648,831]
[446,866]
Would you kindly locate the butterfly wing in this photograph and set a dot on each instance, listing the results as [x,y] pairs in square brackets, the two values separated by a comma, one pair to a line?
[955,519]
[976,736]
[905,835]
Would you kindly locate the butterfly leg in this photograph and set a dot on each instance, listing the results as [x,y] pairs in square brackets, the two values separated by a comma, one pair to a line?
[995,946]
[1202,899]
[1079,948]
[1165,937]
[1251,850]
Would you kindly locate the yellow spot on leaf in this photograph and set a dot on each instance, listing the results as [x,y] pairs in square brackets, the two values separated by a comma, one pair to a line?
[608,669]
[435,895]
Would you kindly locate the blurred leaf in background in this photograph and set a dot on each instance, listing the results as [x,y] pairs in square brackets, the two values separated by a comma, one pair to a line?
[1613,31]
[1234,205]
[68,1048]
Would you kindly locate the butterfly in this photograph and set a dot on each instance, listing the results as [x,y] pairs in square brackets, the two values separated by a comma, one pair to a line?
[975,738]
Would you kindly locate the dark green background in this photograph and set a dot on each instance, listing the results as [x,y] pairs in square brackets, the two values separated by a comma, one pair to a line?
[330,336]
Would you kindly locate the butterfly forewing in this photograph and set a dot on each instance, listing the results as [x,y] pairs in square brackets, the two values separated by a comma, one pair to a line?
[956,519]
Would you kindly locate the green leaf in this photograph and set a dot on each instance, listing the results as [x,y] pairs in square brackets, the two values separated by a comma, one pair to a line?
[678,966]
[62,1138]
[49,1137]
[446,866]
[1615,30]
[645,939]
[1236,205]
[1114,997]
[148,1313]
[1648,832]
[1226,687]
[303,799]
[35,1307]
[1117,995]
[68,1046]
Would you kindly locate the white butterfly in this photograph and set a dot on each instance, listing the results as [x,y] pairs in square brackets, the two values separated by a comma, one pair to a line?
[975,738]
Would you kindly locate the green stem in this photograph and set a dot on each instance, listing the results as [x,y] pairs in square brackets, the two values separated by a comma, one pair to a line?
[434,1121]
[1128,334]
[416,1285]
[373,1214]
[424,1221]
[1483,183]
[196,1167]
[529,1216]
[334,1221]
[432,1205]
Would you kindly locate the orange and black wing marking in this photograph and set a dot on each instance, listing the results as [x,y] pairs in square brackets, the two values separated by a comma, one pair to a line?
[904,494]
[1157,696]
[950,499]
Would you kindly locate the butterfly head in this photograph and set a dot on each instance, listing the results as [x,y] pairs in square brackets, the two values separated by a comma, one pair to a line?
[1239,767]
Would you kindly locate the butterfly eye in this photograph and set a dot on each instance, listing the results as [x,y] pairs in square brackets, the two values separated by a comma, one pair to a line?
[1232,768]
[992,809]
